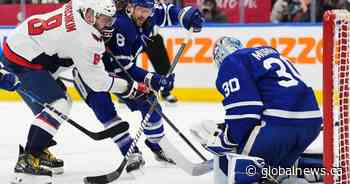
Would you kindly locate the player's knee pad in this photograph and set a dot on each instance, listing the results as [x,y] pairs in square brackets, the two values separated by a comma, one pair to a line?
[238,169]
[154,131]
[61,105]
[51,121]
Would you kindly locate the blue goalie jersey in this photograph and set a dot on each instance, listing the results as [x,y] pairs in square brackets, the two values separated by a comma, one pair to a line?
[260,85]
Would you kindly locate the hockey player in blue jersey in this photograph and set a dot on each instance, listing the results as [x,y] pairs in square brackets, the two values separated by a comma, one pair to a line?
[132,28]
[271,115]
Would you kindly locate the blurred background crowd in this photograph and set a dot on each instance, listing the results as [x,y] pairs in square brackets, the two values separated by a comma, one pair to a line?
[222,11]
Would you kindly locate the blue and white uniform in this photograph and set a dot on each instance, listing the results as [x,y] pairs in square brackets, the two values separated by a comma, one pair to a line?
[270,112]
[262,89]
[126,43]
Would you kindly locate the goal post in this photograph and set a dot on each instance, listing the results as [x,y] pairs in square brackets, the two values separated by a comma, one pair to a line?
[336,51]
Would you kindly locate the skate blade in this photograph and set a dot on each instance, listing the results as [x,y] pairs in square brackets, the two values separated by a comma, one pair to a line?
[20,178]
[55,170]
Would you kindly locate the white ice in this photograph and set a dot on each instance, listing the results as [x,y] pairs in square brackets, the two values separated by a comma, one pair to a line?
[86,157]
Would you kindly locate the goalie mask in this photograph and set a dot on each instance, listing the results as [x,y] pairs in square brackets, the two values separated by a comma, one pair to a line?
[223,47]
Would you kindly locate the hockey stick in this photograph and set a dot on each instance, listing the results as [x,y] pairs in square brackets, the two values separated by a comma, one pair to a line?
[107,178]
[178,132]
[94,135]
[168,121]
[158,111]
[182,162]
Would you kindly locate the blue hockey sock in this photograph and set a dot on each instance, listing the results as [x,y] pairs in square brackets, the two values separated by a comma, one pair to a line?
[152,146]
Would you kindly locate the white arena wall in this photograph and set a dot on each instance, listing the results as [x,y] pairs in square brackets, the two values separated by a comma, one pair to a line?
[195,73]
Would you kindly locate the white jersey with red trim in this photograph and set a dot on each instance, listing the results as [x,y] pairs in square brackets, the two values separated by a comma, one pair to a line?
[63,32]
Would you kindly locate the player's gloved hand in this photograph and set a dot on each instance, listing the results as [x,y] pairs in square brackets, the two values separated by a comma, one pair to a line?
[212,137]
[135,90]
[157,82]
[190,17]
[52,63]
[8,81]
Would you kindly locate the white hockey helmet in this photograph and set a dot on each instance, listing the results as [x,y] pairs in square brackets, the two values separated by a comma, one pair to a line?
[223,47]
[99,7]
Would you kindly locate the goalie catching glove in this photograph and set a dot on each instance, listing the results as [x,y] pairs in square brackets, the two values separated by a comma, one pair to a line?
[213,137]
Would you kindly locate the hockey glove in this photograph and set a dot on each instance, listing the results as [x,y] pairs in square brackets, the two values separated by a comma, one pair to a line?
[191,18]
[52,63]
[135,90]
[213,138]
[157,82]
[8,81]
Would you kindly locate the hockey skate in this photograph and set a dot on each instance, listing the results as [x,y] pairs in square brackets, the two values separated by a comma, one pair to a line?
[169,98]
[28,170]
[159,154]
[135,162]
[49,161]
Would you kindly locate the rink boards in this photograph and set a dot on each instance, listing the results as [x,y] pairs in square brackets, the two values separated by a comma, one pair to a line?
[196,74]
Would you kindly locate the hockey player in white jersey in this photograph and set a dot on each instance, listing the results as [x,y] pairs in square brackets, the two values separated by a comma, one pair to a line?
[271,115]
[36,51]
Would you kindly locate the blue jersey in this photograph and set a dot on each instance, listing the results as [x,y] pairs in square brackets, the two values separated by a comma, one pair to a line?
[258,84]
[128,39]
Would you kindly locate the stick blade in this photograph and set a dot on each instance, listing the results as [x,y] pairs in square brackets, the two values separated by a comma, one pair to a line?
[182,162]
[203,168]
[106,178]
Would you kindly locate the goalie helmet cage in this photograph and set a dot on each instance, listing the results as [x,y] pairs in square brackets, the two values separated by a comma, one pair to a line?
[336,50]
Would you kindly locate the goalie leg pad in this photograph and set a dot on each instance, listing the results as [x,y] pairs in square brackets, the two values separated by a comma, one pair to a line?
[237,169]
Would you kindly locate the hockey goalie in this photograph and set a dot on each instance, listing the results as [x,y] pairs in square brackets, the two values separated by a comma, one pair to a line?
[271,115]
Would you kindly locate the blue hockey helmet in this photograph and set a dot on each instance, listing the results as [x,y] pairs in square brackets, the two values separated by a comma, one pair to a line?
[223,47]
[143,3]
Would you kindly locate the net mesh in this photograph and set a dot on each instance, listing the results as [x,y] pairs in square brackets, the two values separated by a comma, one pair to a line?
[341,96]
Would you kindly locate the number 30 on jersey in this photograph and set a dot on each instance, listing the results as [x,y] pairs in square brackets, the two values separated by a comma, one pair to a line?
[230,86]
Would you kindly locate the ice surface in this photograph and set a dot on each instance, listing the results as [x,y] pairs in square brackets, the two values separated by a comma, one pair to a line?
[86,157]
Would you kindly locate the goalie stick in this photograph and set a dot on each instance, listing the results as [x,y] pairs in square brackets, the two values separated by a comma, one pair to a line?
[107,133]
[182,162]
[114,175]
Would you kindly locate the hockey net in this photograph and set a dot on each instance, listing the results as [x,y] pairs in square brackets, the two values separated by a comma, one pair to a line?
[336,50]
